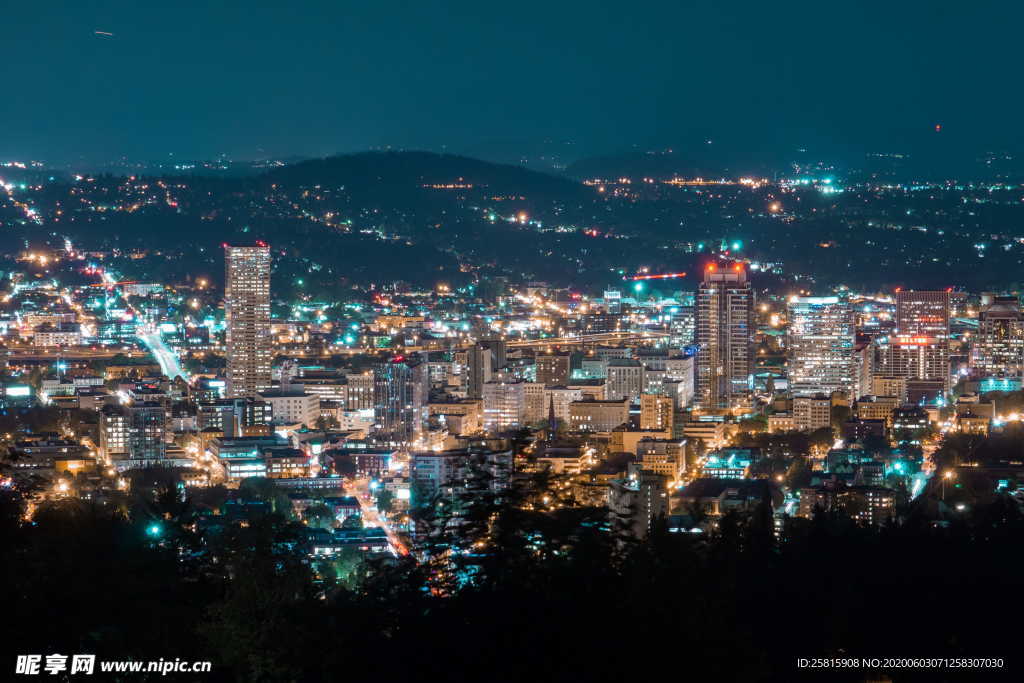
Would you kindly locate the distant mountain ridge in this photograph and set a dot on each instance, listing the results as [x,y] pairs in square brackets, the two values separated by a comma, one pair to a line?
[370,171]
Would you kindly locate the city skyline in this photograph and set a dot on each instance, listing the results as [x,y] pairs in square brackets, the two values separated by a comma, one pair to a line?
[546,343]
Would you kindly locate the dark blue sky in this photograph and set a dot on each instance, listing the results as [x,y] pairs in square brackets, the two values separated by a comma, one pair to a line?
[313,78]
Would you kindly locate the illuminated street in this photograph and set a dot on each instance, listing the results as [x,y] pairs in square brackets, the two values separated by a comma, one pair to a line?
[167,358]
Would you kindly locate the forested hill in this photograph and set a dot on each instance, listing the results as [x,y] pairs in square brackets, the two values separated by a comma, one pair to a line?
[389,173]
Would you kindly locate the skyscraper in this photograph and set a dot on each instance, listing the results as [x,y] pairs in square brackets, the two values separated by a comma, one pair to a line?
[724,338]
[820,339]
[920,347]
[485,358]
[999,343]
[922,314]
[247,314]
[400,389]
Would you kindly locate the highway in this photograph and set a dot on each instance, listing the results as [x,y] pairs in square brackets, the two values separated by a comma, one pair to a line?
[582,340]
[167,359]
[72,353]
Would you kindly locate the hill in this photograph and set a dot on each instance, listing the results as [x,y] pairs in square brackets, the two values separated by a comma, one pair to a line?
[368,174]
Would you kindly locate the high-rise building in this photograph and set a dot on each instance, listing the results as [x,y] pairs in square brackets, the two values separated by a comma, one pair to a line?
[504,404]
[553,368]
[235,417]
[625,379]
[812,412]
[134,432]
[922,314]
[247,316]
[400,396]
[915,358]
[920,347]
[147,424]
[682,324]
[724,338]
[113,430]
[999,342]
[821,340]
[656,412]
[484,359]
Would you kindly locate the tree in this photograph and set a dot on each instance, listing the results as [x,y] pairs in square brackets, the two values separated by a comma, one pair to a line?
[352,522]
[385,500]
[875,444]
[265,490]
[319,516]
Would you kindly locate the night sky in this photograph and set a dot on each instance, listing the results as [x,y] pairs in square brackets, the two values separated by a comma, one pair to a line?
[253,79]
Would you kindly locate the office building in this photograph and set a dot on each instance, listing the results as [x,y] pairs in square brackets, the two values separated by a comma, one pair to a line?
[812,412]
[999,341]
[504,404]
[820,342]
[724,339]
[553,368]
[915,358]
[920,347]
[597,416]
[247,318]
[400,394]
[922,314]
[484,359]
[656,412]
[625,379]
[292,407]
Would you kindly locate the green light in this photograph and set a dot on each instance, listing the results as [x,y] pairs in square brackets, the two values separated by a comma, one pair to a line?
[153,530]
[737,245]
[639,287]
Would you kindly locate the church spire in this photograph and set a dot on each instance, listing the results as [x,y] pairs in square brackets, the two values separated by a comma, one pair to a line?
[552,421]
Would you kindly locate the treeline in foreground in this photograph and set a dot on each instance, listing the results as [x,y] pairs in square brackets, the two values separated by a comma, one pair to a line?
[525,594]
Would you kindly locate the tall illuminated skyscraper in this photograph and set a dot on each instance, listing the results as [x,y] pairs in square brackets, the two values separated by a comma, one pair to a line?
[724,338]
[999,342]
[247,314]
[920,347]
[922,314]
[820,341]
